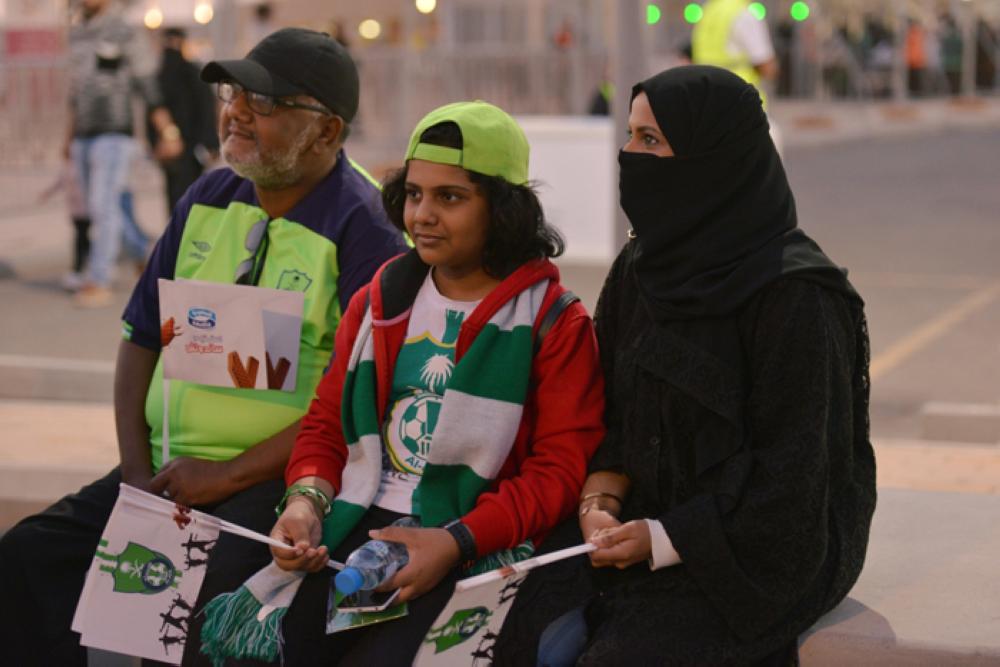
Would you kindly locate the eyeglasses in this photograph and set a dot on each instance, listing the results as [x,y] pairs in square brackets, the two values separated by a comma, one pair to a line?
[261,103]
[248,271]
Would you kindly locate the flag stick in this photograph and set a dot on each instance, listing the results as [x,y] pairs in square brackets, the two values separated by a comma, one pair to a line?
[523,566]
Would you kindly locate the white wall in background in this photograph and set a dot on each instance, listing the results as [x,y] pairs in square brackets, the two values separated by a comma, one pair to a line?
[575,162]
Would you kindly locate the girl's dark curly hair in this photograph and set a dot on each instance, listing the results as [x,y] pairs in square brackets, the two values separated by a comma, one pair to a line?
[517,229]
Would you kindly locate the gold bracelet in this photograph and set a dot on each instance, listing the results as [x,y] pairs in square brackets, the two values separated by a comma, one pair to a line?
[585,509]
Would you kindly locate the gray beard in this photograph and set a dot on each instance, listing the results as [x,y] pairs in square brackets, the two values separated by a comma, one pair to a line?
[279,170]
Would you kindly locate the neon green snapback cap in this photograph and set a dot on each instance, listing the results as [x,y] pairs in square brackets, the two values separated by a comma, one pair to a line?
[492,142]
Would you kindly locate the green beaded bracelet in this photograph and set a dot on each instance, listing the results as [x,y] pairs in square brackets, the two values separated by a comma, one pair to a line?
[313,493]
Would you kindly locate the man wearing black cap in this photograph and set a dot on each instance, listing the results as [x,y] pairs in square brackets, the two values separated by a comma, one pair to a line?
[292,213]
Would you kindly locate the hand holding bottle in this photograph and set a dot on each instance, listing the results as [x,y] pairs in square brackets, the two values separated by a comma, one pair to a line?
[432,553]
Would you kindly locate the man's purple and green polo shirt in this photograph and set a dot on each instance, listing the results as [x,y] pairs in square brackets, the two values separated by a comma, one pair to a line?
[327,246]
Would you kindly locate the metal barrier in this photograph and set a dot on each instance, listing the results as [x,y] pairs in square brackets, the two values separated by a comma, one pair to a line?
[399,88]
[33,113]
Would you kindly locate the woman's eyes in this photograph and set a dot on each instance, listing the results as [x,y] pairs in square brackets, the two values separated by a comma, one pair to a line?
[648,140]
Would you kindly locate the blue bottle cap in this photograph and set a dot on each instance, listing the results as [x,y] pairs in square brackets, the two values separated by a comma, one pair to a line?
[348,580]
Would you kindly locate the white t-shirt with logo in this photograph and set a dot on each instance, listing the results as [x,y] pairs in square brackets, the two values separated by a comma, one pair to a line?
[423,368]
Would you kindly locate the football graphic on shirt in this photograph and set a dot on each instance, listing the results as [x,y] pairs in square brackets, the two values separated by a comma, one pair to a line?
[423,369]
[417,427]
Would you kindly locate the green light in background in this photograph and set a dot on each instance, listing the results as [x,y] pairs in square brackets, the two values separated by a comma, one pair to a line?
[758,10]
[799,11]
[693,13]
[653,14]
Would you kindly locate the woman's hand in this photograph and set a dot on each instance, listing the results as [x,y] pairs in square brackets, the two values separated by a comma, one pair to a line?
[597,520]
[623,546]
[299,527]
[432,552]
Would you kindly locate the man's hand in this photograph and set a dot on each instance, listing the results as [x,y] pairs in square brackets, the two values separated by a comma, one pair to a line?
[623,546]
[432,552]
[190,481]
[300,527]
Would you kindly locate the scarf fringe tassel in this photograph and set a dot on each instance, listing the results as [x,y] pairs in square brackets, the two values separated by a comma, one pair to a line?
[232,628]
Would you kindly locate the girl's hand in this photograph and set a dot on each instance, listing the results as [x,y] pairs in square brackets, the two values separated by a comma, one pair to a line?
[301,529]
[432,552]
[623,546]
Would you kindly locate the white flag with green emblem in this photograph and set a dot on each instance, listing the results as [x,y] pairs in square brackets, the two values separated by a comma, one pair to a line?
[142,585]
[465,633]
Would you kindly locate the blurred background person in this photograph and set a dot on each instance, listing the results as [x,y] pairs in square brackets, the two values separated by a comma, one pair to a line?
[951,53]
[729,36]
[134,241]
[916,58]
[191,103]
[68,182]
[108,60]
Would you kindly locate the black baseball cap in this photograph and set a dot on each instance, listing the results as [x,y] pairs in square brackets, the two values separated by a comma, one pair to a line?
[295,61]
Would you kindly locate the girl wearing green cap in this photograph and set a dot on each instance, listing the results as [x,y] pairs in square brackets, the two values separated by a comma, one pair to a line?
[465,391]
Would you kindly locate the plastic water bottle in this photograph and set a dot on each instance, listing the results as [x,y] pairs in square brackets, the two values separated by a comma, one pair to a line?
[374,562]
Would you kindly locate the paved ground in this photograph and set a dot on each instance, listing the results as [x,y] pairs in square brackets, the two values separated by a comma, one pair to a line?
[910,206]
[905,197]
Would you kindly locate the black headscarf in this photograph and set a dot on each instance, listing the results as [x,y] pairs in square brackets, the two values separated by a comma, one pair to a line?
[716,222]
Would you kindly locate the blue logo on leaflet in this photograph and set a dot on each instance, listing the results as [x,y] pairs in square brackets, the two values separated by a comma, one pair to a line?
[201,318]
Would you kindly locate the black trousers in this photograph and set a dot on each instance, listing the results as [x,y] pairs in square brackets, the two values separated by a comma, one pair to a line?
[44,561]
[179,175]
[81,243]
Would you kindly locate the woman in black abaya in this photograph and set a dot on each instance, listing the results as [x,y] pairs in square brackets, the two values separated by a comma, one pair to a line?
[732,497]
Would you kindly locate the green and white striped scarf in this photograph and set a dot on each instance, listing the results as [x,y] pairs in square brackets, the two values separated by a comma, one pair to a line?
[479,419]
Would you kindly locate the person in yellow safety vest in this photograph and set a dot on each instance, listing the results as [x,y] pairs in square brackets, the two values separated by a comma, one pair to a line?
[729,36]
[600,102]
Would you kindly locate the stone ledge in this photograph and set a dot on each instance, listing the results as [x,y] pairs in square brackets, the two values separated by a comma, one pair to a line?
[56,379]
[928,595]
[962,422]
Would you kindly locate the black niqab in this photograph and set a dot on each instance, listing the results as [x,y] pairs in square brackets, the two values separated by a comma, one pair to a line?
[716,222]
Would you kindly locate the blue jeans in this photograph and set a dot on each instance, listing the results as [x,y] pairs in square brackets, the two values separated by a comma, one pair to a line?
[134,240]
[563,641]
[103,163]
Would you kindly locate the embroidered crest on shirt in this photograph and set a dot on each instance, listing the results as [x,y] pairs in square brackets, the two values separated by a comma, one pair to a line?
[294,281]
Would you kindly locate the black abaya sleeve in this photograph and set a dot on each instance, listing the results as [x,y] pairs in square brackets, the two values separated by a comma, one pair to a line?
[757,559]
[607,319]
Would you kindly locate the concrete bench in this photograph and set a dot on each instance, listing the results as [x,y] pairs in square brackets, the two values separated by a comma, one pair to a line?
[930,590]
[929,593]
